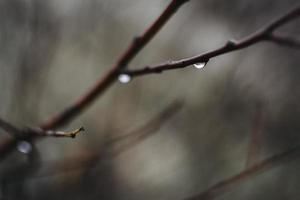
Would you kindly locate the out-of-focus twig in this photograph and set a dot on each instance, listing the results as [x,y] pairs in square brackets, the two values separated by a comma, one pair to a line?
[104,82]
[256,137]
[266,33]
[113,147]
[284,40]
[9,128]
[133,49]
[260,167]
[130,139]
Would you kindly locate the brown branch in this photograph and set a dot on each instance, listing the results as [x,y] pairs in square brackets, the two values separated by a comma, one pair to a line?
[103,83]
[7,144]
[256,137]
[134,137]
[134,48]
[264,34]
[41,132]
[9,128]
[223,186]
[284,40]
[128,140]
[22,133]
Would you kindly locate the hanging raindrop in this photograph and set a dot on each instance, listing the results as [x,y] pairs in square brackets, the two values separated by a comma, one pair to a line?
[124,78]
[200,65]
[24,147]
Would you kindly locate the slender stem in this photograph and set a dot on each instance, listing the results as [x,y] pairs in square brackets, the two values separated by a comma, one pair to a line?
[104,82]
[133,49]
[114,146]
[9,128]
[284,41]
[292,14]
[263,34]
[52,133]
[130,139]
[256,136]
[223,186]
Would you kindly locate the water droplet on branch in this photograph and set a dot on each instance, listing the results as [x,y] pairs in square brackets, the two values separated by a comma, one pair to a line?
[124,78]
[200,65]
[24,147]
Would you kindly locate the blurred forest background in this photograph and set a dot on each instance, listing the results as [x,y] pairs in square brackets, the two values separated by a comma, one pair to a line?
[52,51]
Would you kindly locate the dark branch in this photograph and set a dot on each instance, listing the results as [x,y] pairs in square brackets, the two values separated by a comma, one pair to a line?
[264,34]
[133,49]
[115,146]
[256,136]
[9,128]
[52,133]
[284,19]
[128,140]
[284,41]
[104,82]
[223,186]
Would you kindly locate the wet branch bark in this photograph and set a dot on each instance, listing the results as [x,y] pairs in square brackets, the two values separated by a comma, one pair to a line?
[103,83]
[266,33]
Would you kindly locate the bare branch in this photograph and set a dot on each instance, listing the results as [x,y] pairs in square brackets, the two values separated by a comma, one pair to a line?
[256,137]
[284,19]
[133,49]
[104,82]
[115,146]
[128,140]
[284,40]
[264,34]
[52,133]
[223,186]
[9,128]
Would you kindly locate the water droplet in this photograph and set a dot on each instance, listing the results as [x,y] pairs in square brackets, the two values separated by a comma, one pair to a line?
[124,78]
[200,65]
[24,147]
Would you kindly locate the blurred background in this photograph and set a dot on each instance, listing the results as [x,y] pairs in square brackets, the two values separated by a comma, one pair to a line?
[52,51]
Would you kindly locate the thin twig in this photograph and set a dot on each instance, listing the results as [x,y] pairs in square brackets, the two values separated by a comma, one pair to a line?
[133,49]
[134,137]
[256,137]
[104,82]
[9,128]
[22,133]
[138,43]
[284,40]
[223,186]
[264,34]
[52,133]
[130,139]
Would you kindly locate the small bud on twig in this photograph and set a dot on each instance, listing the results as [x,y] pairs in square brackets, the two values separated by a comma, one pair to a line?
[53,133]
[71,134]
